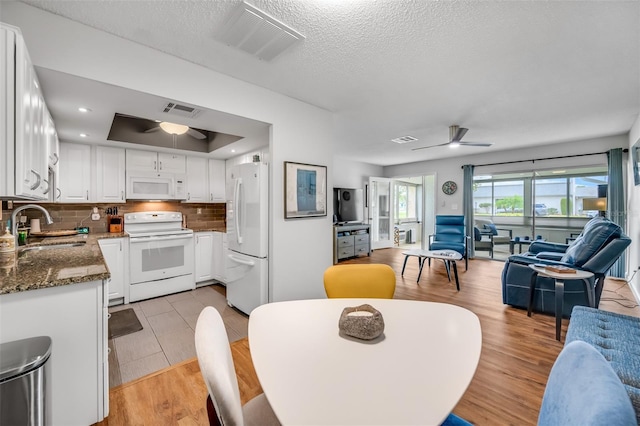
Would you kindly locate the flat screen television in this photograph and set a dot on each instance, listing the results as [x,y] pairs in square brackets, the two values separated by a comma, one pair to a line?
[348,206]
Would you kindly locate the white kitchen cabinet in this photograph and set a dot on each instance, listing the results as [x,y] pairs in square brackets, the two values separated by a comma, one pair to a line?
[171,163]
[23,115]
[217,181]
[151,161]
[75,173]
[110,175]
[197,180]
[75,317]
[204,256]
[116,254]
[53,153]
[219,250]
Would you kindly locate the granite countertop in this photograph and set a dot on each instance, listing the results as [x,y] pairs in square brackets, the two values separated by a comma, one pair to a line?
[36,269]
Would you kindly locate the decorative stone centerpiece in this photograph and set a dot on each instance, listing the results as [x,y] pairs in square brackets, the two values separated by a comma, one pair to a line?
[362,322]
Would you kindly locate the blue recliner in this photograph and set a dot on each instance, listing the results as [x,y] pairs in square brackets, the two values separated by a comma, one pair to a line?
[449,235]
[596,249]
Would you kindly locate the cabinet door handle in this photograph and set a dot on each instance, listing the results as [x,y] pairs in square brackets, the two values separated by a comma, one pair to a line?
[46,191]
[120,245]
[87,195]
[122,195]
[160,165]
[59,193]
[56,158]
[188,196]
[37,184]
[155,165]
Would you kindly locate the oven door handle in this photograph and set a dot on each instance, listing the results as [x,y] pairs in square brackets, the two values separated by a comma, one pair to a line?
[154,239]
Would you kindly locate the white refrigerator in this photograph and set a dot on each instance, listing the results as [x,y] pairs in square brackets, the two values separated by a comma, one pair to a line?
[246,261]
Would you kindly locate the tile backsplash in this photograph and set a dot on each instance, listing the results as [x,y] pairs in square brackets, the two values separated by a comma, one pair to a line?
[70,216]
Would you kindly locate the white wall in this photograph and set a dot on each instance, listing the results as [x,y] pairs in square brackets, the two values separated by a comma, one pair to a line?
[633,215]
[451,168]
[353,174]
[299,131]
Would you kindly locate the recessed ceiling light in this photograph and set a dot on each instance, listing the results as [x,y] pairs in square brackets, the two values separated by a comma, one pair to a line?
[233,150]
[83,135]
[84,109]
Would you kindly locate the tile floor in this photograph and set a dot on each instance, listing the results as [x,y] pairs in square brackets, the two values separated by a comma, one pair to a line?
[167,337]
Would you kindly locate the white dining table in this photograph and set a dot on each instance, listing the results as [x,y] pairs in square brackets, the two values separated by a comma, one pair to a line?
[413,374]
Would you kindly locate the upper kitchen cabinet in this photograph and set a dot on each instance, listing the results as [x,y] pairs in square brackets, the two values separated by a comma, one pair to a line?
[150,161]
[197,180]
[23,122]
[110,175]
[75,173]
[54,146]
[217,177]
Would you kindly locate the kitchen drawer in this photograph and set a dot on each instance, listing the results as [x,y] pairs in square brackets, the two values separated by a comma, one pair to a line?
[344,252]
[361,249]
[345,241]
[362,239]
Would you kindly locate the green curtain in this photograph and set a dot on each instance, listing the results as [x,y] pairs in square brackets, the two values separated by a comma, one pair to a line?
[467,205]
[616,204]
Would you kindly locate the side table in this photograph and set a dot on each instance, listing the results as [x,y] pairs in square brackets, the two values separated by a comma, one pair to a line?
[559,289]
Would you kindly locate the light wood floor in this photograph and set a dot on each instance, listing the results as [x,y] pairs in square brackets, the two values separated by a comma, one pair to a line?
[517,353]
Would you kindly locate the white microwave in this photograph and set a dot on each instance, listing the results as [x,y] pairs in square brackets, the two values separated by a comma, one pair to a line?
[156,186]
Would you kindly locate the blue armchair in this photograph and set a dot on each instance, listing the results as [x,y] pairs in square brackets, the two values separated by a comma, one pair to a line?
[596,249]
[450,235]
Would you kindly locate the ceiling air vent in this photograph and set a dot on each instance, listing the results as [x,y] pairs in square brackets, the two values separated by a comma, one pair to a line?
[180,110]
[257,33]
[404,139]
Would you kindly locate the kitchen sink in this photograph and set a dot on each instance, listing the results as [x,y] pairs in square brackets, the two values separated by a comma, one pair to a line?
[54,246]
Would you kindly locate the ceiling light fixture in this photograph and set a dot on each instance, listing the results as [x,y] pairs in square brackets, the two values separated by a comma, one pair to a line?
[454,144]
[84,109]
[173,128]
[83,135]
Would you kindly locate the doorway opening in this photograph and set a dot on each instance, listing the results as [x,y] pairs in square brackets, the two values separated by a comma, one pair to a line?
[413,211]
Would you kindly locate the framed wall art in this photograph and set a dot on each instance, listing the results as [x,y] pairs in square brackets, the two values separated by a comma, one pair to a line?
[305,190]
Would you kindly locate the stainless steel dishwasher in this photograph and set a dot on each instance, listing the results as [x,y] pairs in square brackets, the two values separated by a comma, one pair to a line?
[25,382]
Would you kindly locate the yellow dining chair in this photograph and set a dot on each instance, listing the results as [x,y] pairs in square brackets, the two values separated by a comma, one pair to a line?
[373,280]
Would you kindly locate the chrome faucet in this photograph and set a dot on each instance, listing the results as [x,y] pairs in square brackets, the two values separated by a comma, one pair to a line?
[14,217]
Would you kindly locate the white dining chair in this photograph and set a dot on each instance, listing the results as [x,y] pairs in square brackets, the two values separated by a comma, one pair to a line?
[218,371]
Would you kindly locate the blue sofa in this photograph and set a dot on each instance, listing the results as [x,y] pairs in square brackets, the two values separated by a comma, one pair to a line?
[596,249]
[617,338]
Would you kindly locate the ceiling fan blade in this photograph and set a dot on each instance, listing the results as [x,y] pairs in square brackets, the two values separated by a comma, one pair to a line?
[196,134]
[152,130]
[431,146]
[475,143]
[459,134]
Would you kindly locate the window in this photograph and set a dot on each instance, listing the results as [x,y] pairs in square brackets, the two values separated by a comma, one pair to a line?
[551,195]
[406,205]
[495,197]
[563,196]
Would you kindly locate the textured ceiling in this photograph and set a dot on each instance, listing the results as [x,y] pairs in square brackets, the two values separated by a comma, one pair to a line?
[515,73]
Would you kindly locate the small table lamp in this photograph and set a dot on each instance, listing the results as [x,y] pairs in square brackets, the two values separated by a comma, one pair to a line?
[599,204]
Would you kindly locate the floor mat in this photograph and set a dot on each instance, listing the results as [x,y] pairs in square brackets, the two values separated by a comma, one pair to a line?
[123,322]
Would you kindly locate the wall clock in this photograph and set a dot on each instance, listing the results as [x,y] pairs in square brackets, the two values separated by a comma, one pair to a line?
[449,187]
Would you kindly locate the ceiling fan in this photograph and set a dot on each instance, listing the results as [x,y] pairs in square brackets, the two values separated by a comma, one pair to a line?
[177,129]
[456,133]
